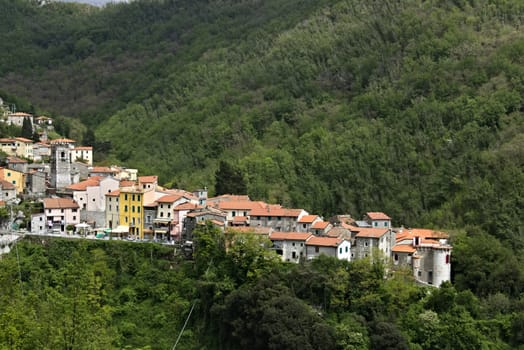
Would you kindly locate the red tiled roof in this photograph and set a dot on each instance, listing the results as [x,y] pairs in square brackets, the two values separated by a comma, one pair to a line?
[23,139]
[20,114]
[403,248]
[275,210]
[127,183]
[101,169]
[422,233]
[148,179]
[240,219]
[377,215]
[83,148]
[60,203]
[320,225]
[64,140]
[289,236]
[82,186]
[16,160]
[6,185]
[239,205]
[229,197]
[169,198]
[307,219]
[114,193]
[372,232]
[324,241]
[186,206]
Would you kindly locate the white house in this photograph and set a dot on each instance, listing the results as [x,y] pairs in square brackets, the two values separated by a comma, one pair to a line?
[82,154]
[330,246]
[378,219]
[291,246]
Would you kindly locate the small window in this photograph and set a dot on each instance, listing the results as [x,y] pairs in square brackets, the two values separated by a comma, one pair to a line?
[447,258]
[234,213]
[138,209]
[74,218]
[293,244]
[375,224]
[340,250]
[347,249]
[396,257]
[132,208]
[133,197]
[125,208]
[366,244]
[317,249]
[125,196]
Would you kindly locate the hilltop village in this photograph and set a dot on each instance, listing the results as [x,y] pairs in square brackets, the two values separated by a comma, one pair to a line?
[80,198]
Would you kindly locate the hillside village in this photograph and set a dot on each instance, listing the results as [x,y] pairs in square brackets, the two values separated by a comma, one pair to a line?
[116,202]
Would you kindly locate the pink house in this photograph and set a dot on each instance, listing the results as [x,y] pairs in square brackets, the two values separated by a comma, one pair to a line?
[61,212]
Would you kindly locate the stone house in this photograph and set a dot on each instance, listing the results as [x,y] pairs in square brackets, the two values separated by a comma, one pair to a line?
[291,246]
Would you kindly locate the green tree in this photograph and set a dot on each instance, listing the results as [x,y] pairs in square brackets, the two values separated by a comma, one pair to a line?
[229,180]
[27,128]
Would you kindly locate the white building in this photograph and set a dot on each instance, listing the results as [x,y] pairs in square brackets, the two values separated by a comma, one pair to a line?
[291,246]
[61,212]
[82,154]
[330,246]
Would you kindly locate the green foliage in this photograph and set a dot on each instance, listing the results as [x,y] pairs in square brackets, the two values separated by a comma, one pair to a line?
[229,180]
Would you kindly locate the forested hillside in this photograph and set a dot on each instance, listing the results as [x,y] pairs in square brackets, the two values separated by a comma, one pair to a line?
[80,294]
[409,107]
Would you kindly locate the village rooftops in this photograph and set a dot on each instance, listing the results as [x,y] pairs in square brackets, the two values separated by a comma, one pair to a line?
[276,210]
[169,198]
[403,248]
[148,179]
[83,185]
[6,185]
[12,160]
[371,232]
[239,205]
[324,241]
[83,148]
[20,114]
[307,219]
[289,236]
[60,203]
[320,225]
[114,193]
[377,215]
[229,197]
[60,141]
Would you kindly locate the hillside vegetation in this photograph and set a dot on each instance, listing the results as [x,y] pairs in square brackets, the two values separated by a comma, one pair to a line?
[409,107]
[79,294]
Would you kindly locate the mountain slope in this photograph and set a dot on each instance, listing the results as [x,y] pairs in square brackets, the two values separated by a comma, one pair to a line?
[412,107]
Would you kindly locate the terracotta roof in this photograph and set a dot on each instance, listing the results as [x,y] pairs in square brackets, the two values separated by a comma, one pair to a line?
[403,248]
[289,236]
[6,140]
[186,206]
[229,197]
[6,185]
[320,225]
[83,148]
[60,203]
[148,179]
[169,198]
[218,223]
[338,232]
[64,140]
[324,241]
[240,219]
[372,232]
[114,193]
[20,114]
[307,219]
[377,215]
[83,185]
[16,160]
[420,232]
[127,183]
[101,169]
[23,139]
[259,230]
[239,205]
[275,210]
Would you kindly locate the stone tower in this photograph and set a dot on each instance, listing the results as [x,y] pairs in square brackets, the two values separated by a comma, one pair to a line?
[60,165]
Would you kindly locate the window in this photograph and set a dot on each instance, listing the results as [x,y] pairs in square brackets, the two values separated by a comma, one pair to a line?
[125,219]
[317,249]
[75,210]
[110,207]
[386,224]
[347,249]
[294,255]
[133,197]
[447,258]
[132,208]
[14,182]
[375,224]
[366,244]
[137,197]
[125,196]
[125,208]
[396,257]
[304,225]
[293,244]
[138,209]
[161,206]
[8,174]
[234,213]
[74,218]
[161,214]
[340,250]
[61,210]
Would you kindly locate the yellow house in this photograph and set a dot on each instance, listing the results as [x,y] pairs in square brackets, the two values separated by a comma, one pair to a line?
[17,178]
[131,210]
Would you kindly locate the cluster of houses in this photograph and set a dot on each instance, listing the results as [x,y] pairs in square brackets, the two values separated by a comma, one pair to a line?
[78,196]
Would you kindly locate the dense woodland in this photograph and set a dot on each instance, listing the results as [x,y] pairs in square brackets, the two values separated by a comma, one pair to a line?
[410,107]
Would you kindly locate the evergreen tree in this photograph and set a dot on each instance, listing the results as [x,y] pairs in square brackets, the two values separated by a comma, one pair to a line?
[27,128]
[229,179]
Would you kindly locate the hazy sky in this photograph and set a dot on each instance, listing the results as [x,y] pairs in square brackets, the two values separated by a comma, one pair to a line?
[94,2]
